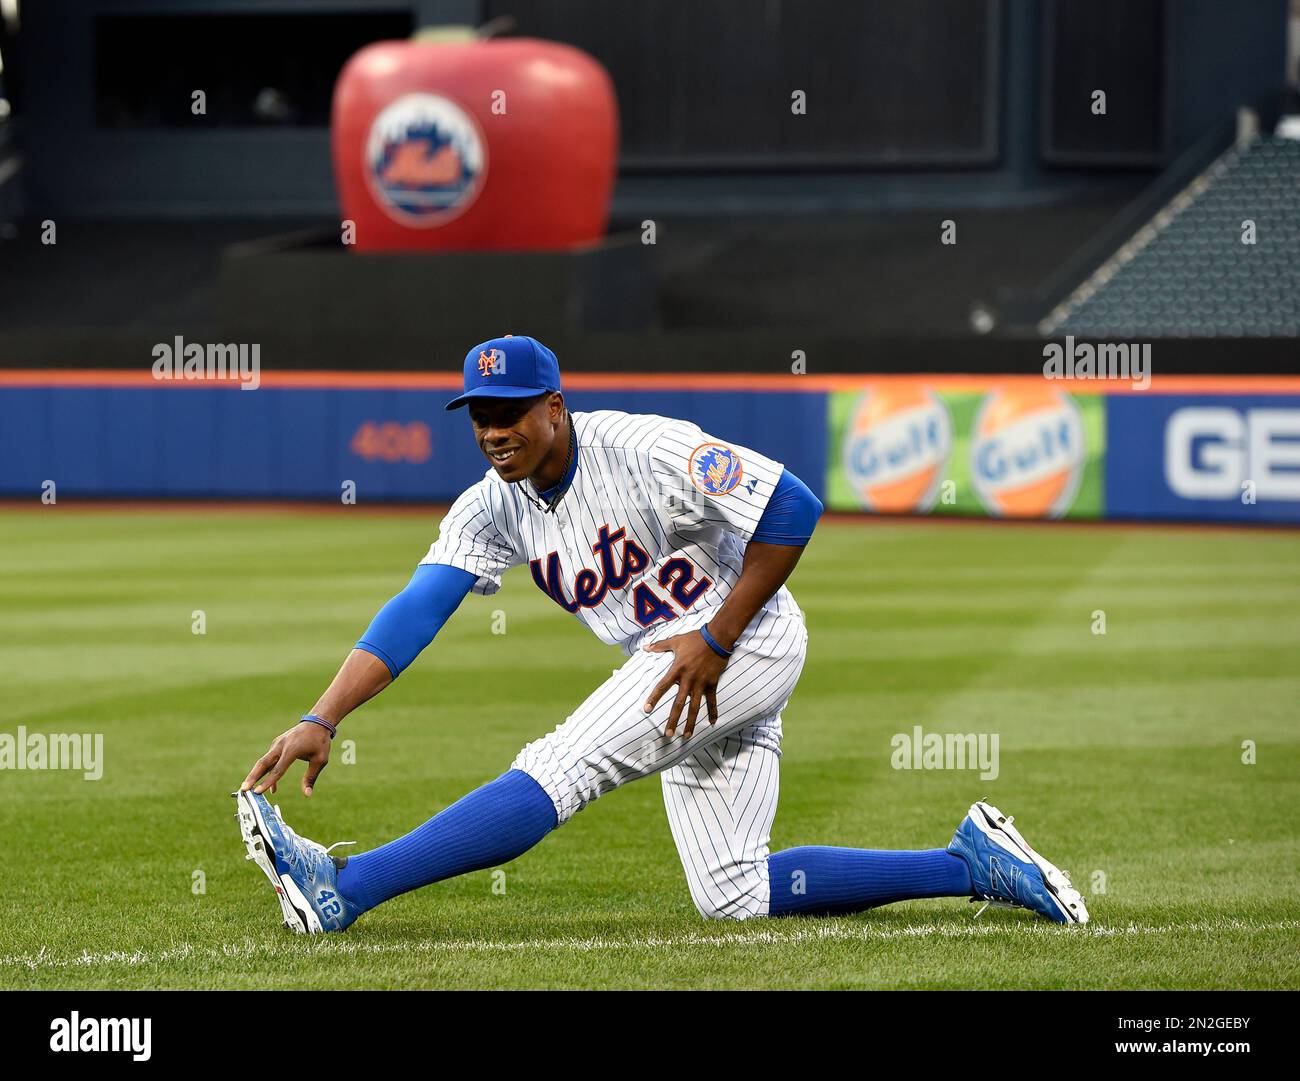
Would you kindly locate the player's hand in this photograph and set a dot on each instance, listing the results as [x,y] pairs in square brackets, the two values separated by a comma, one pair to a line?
[305,740]
[696,670]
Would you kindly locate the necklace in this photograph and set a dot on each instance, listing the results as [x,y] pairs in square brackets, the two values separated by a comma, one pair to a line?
[568,459]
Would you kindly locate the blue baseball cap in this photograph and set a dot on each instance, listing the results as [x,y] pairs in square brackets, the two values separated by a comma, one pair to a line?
[515,366]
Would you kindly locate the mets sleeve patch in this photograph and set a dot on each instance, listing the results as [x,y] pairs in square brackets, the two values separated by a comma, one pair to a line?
[715,468]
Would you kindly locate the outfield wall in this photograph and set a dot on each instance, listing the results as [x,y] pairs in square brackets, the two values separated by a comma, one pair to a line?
[1188,448]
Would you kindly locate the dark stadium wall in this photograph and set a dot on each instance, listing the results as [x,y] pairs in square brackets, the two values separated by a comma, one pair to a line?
[109,83]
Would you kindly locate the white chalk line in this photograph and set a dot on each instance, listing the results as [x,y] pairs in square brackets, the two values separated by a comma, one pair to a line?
[331,945]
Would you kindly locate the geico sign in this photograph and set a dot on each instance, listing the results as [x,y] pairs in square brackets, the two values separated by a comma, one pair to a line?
[1211,451]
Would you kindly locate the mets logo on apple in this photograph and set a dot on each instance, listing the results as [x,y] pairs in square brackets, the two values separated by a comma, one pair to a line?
[426,159]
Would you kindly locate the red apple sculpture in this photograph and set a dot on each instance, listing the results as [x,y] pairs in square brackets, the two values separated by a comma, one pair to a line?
[468,144]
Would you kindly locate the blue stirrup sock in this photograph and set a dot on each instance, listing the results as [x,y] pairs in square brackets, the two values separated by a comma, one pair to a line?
[822,881]
[490,826]
[506,817]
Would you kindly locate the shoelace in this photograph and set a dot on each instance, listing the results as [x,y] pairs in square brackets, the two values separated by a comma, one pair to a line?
[995,904]
[307,841]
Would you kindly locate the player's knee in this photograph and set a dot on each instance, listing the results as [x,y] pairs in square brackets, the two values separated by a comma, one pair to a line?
[554,765]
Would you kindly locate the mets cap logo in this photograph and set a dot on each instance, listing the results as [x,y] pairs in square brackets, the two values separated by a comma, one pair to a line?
[491,362]
[715,469]
[425,160]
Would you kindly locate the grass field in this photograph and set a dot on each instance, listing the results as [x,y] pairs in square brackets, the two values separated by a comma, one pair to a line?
[1120,755]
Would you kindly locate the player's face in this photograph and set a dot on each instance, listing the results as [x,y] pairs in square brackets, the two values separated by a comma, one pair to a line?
[516,434]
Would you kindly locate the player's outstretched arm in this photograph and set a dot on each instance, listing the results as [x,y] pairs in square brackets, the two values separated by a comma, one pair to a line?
[395,637]
[361,677]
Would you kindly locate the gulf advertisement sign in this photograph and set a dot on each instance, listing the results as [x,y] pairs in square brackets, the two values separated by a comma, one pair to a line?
[1027,453]
[895,451]
[1019,449]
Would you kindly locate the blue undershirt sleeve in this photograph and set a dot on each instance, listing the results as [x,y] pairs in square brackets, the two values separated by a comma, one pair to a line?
[408,622]
[791,513]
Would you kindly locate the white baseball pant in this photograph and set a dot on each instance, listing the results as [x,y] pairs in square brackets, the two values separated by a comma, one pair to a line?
[720,786]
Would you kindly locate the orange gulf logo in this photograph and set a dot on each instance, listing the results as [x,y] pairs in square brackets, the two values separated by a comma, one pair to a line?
[487,362]
[1027,452]
[896,449]
[715,469]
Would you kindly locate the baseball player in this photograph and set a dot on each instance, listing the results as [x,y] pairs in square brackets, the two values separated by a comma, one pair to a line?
[675,546]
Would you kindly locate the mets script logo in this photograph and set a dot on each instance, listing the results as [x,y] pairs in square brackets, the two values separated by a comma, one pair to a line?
[678,577]
[425,159]
[715,469]
[590,588]
[491,362]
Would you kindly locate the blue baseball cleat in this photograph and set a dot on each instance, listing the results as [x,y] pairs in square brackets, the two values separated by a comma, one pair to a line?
[303,872]
[1008,873]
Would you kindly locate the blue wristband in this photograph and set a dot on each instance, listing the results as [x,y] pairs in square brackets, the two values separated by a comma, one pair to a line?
[331,729]
[713,643]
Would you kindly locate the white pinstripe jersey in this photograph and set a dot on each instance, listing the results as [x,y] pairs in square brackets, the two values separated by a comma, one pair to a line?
[647,541]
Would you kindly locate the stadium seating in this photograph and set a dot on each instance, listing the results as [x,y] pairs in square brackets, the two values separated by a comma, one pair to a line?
[1195,270]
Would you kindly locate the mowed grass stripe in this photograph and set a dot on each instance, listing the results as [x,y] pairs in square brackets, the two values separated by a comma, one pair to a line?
[1119,754]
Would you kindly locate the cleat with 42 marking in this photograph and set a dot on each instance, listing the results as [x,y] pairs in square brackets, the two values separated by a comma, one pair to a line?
[303,873]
